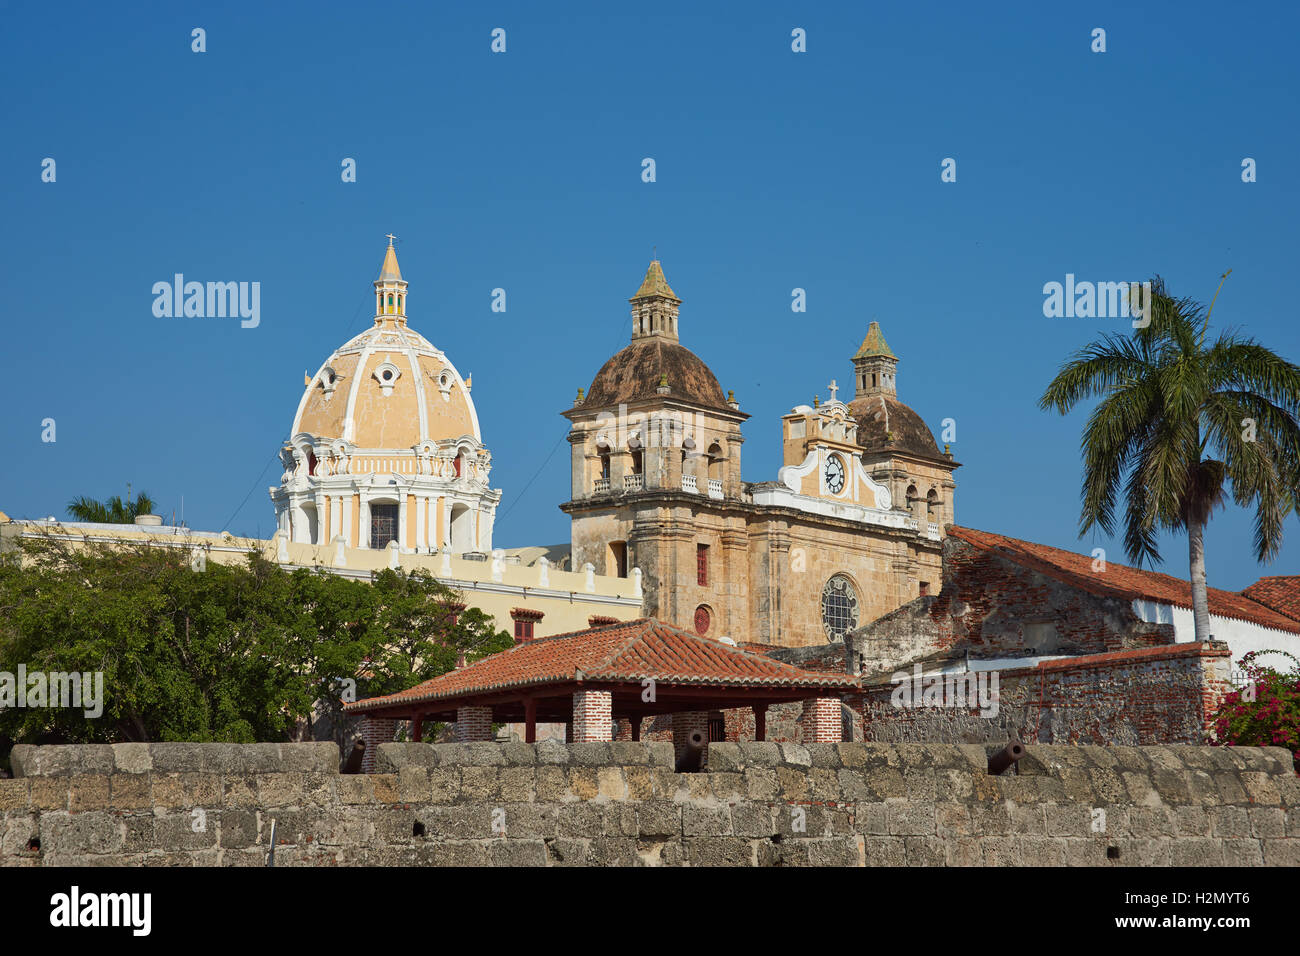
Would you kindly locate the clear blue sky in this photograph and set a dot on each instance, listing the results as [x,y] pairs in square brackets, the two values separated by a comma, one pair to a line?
[775,170]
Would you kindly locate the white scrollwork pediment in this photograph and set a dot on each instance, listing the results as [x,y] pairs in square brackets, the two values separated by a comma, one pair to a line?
[792,475]
[883,499]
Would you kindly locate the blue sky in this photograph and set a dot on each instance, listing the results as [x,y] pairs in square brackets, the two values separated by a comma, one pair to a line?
[521,170]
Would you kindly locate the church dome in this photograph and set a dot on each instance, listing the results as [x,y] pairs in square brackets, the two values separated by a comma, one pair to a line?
[655,364]
[883,421]
[879,413]
[385,447]
[636,372]
[389,387]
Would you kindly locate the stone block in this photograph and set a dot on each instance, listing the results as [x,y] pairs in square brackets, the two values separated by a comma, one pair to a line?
[720,851]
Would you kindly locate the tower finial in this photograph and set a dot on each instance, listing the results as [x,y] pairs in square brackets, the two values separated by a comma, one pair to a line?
[391,238]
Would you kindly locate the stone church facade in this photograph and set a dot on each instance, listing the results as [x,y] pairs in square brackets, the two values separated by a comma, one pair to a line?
[851,528]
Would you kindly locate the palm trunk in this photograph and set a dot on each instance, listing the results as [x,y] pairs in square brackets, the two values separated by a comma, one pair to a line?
[1200,592]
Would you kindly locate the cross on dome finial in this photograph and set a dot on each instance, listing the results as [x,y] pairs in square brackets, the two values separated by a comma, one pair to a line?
[391,238]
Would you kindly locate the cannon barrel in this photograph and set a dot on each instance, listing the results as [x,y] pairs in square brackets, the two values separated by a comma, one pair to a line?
[689,761]
[353,763]
[1005,757]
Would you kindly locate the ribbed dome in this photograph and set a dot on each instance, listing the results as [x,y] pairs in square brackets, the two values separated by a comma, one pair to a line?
[635,373]
[879,412]
[388,388]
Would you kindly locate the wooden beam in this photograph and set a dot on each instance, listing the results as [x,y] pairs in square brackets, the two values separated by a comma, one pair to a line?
[530,720]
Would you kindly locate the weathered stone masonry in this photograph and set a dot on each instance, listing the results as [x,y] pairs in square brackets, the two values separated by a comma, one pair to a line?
[621,804]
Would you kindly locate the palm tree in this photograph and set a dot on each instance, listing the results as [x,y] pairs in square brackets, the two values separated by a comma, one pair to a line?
[1167,399]
[112,511]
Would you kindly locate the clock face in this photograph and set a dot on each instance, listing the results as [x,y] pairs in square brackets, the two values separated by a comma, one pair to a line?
[835,474]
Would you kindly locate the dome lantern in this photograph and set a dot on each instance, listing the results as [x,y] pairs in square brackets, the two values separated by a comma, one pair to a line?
[655,306]
[390,289]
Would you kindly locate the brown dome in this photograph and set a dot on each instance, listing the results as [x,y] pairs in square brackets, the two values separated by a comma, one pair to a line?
[635,373]
[879,413]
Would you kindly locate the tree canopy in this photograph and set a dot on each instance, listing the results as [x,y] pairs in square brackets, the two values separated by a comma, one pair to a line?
[1179,422]
[234,652]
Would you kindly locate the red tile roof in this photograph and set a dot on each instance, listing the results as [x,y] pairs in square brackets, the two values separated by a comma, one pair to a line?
[1121,581]
[1281,592]
[629,651]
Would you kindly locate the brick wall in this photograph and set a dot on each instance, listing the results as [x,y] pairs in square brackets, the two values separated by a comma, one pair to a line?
[990,606]
[1142,696]
[592,719]
[621,804]
[473,724]
[375,731]
[821,720]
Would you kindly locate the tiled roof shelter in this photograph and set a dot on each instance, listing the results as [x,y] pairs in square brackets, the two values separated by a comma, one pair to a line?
[624,671]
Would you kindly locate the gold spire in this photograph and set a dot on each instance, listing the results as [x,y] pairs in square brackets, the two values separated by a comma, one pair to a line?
[389,272]
[874,344]
[654,283]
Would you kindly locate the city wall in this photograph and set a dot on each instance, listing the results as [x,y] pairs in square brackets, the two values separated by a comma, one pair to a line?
[621,804]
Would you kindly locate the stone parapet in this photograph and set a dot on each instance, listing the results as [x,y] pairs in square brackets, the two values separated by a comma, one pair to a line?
[620,803]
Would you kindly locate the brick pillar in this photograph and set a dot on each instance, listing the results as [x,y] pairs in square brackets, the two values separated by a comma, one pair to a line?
[821,721]
[592,716]
[473,724]
[375,731]
[683,723]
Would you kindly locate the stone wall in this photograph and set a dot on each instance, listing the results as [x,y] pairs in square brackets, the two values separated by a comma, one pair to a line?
[1137,697]
[616,803]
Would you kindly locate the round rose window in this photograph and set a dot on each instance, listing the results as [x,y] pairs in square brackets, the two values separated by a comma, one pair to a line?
[839,607]
[702,620]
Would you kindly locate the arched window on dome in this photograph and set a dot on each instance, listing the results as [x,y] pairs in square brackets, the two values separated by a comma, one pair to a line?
[399,304]
[311,462]
[390,303]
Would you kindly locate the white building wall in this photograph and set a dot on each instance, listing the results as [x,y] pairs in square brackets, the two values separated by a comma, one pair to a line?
[1242,637]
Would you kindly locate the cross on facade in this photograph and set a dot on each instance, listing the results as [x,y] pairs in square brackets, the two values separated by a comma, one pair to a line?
[834,388]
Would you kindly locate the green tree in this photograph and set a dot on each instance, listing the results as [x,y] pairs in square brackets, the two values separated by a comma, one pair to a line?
[111,511]
[235,652]
[1177,424]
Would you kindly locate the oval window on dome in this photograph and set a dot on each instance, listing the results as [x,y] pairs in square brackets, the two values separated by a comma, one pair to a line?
[387,374]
